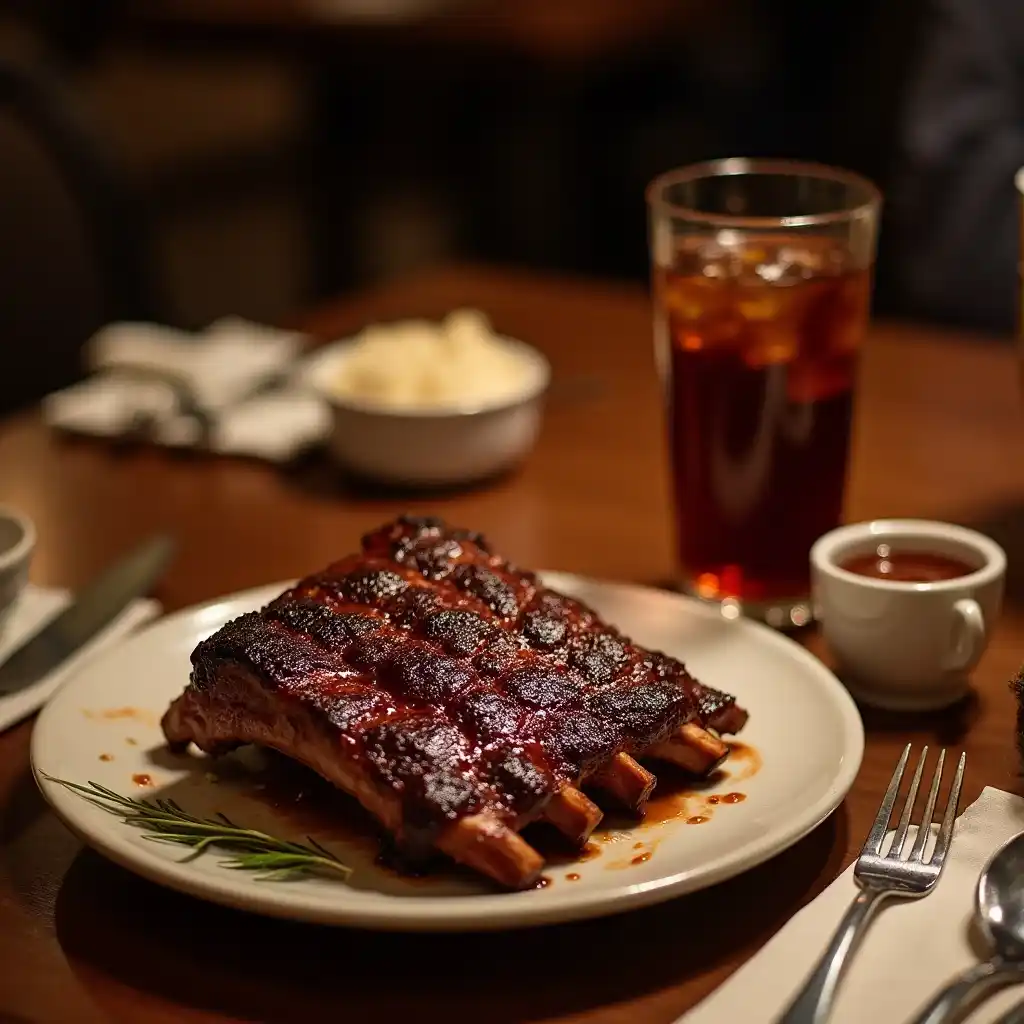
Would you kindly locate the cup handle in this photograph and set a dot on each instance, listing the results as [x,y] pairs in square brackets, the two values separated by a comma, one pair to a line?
[970,632]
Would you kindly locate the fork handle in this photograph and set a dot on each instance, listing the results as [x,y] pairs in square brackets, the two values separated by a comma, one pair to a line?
[813,1002]
[964,991]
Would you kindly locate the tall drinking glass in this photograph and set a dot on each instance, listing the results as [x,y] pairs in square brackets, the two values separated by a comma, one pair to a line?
[761,282]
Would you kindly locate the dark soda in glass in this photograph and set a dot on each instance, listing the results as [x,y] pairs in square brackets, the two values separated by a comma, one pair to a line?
[762,280]
[762,343]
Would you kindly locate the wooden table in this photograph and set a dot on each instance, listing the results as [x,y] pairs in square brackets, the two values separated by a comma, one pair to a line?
[80,940]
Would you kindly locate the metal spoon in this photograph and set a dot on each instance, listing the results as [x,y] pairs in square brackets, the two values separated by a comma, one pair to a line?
[1000,918]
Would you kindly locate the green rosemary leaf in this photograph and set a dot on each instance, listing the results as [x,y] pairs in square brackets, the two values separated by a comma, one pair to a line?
[270,858]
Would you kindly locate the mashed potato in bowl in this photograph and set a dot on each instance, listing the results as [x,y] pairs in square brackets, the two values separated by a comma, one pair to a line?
[427,403]
[423,365]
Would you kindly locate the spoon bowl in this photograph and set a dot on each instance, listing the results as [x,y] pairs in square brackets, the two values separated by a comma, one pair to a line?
[1000,900]
[999,914]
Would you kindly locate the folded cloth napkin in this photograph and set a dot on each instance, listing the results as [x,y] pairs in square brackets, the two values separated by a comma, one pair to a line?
[235,375]
[35,607]
[221,365]
[911,949]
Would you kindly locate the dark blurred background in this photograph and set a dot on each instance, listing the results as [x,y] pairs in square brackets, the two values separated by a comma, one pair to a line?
[182,159]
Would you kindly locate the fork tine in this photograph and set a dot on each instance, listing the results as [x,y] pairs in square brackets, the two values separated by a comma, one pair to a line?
[952,804]
[924,830]
[873,843]
[908,808]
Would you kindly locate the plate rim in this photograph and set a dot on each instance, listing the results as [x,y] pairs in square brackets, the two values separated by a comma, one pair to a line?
[476,913]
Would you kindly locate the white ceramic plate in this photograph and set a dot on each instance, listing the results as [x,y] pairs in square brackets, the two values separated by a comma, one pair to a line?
[804,730]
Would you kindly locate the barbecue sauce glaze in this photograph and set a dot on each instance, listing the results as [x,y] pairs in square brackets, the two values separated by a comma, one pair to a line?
[459,681]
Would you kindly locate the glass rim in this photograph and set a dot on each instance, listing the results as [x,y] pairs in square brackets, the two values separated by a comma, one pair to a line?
[736,166]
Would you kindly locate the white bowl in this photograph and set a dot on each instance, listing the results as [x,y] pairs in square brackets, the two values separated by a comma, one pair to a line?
[431,445]
[17,543]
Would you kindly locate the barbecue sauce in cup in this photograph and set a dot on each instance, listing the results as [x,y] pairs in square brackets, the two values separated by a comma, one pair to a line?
[888,563]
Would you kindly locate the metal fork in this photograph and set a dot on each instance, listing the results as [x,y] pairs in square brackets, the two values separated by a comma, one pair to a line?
[880,876]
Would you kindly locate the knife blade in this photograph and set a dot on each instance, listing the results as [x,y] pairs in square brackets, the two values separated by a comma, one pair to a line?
[94,607]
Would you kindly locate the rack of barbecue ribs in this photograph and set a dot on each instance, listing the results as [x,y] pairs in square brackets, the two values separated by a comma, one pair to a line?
[456,697]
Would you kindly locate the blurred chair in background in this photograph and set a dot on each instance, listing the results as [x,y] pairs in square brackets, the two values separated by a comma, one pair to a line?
[74,251]
[74,30]
[291,152]
[739,78]
[955,222]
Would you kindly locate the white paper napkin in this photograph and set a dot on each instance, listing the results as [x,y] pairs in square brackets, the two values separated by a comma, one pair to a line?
[226,369]
[221,365]
[35,607]
[911,949]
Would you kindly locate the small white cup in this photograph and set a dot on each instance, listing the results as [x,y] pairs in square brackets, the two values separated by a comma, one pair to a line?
[907,646]
[17,543]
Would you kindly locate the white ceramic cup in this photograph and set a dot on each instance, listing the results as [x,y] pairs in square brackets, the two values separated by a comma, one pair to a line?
[902,645]
[17,543]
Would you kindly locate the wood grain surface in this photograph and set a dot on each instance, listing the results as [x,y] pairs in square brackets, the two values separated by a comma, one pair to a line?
[938,435]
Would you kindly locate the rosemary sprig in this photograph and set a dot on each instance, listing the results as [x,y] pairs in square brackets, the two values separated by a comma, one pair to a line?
[275,860]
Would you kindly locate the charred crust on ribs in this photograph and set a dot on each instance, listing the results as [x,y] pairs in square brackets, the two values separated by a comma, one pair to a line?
[521,777]
[490,588]
[264,646]
[371,586]
[497,658]
[644,711]
[443,687]
[318,622]
[412,539]
[543,632]
[578,742]
[413,605]
[458,631]
[598,656]
[540,687]
[490,718]
[417,675]
[427,760]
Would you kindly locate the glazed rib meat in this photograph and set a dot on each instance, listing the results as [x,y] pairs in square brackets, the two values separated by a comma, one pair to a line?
[453,695]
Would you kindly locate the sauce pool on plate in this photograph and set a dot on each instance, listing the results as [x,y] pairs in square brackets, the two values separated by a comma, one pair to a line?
[888,563]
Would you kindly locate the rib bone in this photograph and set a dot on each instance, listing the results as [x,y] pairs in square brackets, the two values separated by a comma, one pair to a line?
[692,748]
[626,781]
[573,813]
[493,849]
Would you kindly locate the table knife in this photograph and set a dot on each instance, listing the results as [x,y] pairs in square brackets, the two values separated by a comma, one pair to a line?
[94,607]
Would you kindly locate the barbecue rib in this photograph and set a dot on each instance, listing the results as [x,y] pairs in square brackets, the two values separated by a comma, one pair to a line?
[453,695]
